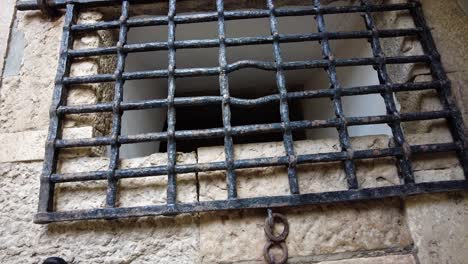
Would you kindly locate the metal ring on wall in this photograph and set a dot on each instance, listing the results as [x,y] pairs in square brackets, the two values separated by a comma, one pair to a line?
[269,223]
[269,258]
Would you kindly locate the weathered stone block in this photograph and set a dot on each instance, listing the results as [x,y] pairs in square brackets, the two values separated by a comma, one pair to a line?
[317,230]
[28,95]
[143,240]
[153,190]
[131,192]
[314,230]
[312,177]
[30,145]
[438,226]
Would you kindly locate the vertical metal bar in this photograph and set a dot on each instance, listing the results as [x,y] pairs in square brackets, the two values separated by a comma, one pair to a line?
[171,111]
[455,120]
[284,108]
[226,110]
[345,143]
[111,196]
[46,192]
[403,162]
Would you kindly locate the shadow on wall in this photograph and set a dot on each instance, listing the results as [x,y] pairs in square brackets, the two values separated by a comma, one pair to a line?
[249,83]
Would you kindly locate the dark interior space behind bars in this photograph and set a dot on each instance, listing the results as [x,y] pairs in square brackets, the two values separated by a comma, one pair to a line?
[284,129]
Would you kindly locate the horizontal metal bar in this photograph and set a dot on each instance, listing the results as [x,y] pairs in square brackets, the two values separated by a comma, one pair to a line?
[244,64]
[259,202]
[242,41]
[238,15]
[251,163]
[23,5]
[251,129]
[213,100]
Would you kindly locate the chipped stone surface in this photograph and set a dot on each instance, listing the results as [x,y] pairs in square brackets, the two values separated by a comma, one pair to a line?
[33,86]
[312,177]
[314,230]
[34,83]
[30,145]
[131,192]
[144,240]
[317,230]
[91,93]
[440,15]
[438,225]
[437,222]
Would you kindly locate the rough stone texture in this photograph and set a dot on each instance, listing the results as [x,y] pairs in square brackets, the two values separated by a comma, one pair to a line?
[437,222]
[315,230]
[35,81]
[27,96]
[30,145]
[145,240]
[440,15]
[91,93]
[438,225]
[131,192]
[312,177]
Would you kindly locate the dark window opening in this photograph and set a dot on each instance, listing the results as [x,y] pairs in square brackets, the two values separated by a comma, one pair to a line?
[210,116]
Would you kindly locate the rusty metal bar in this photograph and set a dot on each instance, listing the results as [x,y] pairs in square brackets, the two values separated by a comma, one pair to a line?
[345,142]
[445,94]
[261,202]
[225,105]
[46,191]
[404,164]
[288,140]
[243,41]
[171,111]
[116,111]
[252,163]
[246,64]
[212,100]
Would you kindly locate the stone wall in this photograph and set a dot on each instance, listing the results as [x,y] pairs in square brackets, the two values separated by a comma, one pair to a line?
[422,229]
[437,222]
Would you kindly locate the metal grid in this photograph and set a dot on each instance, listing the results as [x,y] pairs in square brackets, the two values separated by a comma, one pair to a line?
[401,152]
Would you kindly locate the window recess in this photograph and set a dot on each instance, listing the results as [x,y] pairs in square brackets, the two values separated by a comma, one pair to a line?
[288,127]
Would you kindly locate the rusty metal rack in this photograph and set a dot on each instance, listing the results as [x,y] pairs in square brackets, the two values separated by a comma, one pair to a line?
[400,152]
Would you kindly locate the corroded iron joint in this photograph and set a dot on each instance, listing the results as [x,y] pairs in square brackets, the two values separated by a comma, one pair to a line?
[46,9]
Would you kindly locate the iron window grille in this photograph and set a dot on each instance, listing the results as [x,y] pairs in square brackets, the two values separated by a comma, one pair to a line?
[401,152]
